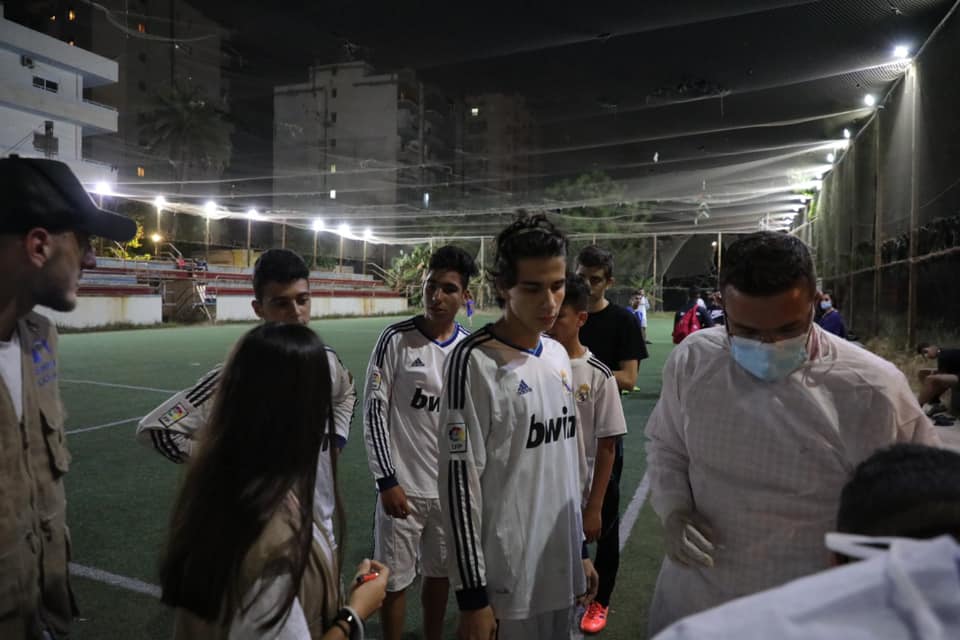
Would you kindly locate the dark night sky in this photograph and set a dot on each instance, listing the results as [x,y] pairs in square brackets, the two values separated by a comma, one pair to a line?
[585,71]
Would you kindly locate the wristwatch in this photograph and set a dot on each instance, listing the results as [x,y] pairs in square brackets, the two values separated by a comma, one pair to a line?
[353,621]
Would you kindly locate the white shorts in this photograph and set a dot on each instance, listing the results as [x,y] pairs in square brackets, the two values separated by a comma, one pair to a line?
[643,321]
[553,625]
[402,544]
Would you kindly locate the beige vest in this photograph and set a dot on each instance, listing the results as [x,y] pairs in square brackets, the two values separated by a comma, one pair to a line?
[318,597]
[34,546]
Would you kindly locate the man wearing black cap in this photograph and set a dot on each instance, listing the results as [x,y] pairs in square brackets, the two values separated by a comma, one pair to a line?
[46,222]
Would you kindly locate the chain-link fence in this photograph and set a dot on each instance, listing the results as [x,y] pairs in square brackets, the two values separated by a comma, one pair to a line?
[886,230]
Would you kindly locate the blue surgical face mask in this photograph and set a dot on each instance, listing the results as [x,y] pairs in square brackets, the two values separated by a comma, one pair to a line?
[770,361]
[826,305]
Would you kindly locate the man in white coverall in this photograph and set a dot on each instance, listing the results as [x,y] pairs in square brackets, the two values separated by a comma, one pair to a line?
[758,426]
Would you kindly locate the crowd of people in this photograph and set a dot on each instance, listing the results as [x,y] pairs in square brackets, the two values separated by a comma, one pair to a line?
[777,450]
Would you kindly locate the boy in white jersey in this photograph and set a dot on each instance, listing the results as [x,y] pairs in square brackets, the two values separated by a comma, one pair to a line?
[599,411]
[510,485]
[281,294]
[400,427]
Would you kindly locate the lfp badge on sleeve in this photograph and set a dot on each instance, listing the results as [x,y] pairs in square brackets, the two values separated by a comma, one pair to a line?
[457,434]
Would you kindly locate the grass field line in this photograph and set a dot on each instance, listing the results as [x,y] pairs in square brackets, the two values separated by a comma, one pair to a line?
[119,386]
[633,510]
[114,580]
[103,426]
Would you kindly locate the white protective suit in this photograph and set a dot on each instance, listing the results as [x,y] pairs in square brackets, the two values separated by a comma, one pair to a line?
[764,462]
[910,593]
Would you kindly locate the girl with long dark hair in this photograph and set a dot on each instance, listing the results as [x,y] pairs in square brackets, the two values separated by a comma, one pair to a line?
[245,557]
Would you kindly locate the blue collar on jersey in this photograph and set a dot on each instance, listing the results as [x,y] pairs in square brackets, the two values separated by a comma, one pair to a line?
[534,352]
[456,332]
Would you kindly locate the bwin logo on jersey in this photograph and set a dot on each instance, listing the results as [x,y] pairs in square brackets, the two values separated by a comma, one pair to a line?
[552,430]
[524,388]
[423,401]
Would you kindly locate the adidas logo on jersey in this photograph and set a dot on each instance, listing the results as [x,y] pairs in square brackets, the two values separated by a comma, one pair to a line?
[552,430]
[523,388]
[417,363]
[423,401]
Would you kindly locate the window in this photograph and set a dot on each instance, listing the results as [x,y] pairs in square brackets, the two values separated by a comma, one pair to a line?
[53,18]
[141,172]
[333,143]
[333,92]
[474,112]
[71,16]
[142,28]
[46,85]
[333,168]
[333,116]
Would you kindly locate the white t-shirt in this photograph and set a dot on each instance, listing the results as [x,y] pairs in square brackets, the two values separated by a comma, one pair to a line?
[599,411]
[401,407]
[509,477]
[11,371]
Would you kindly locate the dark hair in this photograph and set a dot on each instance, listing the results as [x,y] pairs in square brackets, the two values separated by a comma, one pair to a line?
[594,256]
[277,265]
[922,347]
[907,490]
[577,292]
[767,263]
[261,443]
[451,258]
[693,293]
[527,237]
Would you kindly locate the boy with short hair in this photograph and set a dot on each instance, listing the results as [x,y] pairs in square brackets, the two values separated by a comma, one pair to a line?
[400,427]
[509,484]
[599,412]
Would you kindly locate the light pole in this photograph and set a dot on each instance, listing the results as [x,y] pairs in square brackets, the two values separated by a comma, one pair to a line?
[367,236]
[102,188]
[209,209]
[317,228]
[343,230]
[251,216]
[159,202]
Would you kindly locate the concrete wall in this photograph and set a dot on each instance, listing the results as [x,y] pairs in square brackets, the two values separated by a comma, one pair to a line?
[238,307]
[98,311]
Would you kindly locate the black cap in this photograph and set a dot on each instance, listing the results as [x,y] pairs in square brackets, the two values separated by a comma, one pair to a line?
[35,192]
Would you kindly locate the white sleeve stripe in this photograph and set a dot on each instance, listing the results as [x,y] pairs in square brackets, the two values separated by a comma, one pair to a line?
[457,391]
[385,438]
[597,364]
[467,559]
[379,436]
[380,351]
[165,445]
[203,389]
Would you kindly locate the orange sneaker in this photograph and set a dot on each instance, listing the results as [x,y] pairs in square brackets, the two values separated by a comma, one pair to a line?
[595,619]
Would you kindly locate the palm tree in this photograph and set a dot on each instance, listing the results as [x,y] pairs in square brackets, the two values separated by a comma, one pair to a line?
[191,131]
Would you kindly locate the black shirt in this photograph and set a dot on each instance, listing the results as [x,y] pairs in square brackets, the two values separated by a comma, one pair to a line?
[614,335]
[948,360]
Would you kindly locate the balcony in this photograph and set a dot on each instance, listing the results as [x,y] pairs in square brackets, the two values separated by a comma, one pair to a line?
[94,118]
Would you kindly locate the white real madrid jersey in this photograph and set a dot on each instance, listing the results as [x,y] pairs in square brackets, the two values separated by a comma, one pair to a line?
[509,477]
[401,409]
[599,410]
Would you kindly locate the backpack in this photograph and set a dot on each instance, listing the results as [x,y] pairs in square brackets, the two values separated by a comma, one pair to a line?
[689,323]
